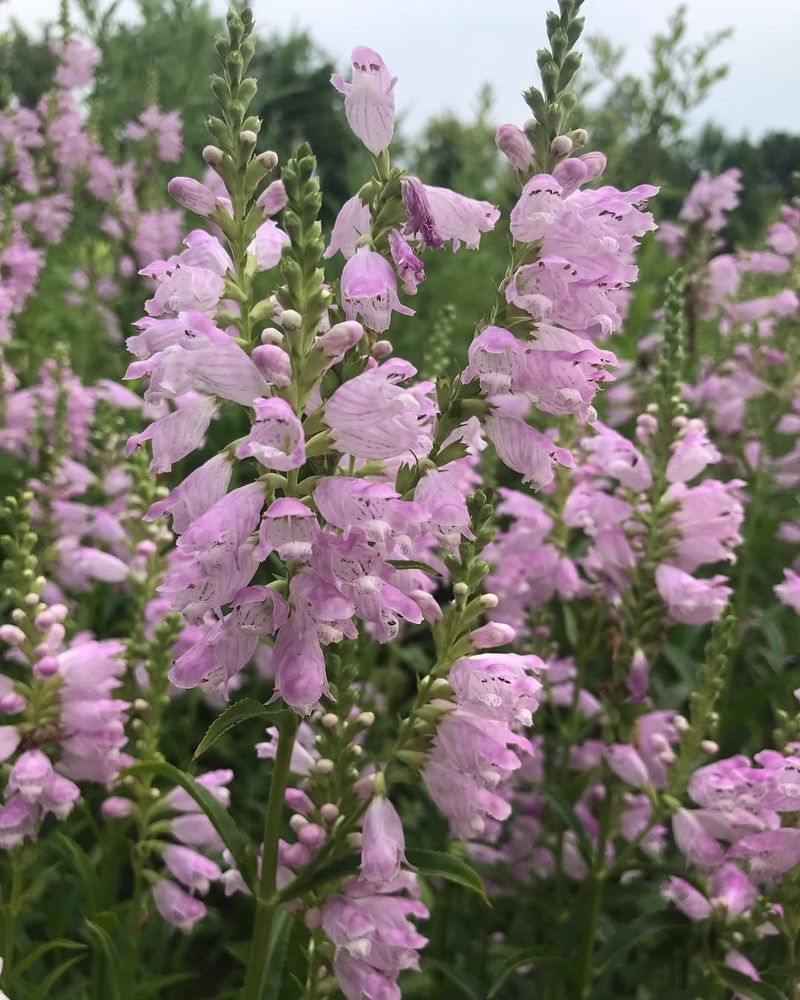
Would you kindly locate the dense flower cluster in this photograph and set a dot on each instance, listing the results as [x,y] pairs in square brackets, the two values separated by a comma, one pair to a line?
[489,622]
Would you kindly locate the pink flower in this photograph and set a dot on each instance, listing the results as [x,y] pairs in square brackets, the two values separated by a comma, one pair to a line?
[177,434]
[689,900]
[17,821]
[267,245]
[273,198]
[352,222]
[540,205]
[300,665]
[176,906]
[694,842]
[373,416]
[369,99]
[523,448]
[614,455]
[770,853]
[373,938]
[288,528]
[691,600]
[194,870]
[369,290]
[711,198]
[195,494]
[626,763]
[788,592]
[409,267]
[383,843]
[276,439]
[692,453]
[458,218]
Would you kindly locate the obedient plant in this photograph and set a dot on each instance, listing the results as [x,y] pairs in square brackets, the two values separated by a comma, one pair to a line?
[519,633]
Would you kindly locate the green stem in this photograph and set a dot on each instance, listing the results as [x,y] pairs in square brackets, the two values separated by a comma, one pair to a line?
[13,908]
[598,879]
[265,892]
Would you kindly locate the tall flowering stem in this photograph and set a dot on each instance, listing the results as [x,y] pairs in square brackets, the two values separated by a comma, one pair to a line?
[552,105]
[642,618]
[266,898]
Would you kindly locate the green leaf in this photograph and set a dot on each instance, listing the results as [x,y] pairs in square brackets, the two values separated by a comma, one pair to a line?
[567,814]
[104,945]
[155,985]
[82,866]
[536,955]
[446,866]
[237,842]
[63,944]
[240,711]
[468,984]
[314,878]
[634,932]
[45,988]
[747,987]
[414,564]
[280,932]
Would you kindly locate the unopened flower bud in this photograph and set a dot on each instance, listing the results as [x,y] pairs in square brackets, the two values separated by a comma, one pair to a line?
[47,666]
[297,821]
[354,840]
[116,807]
[248,138]
[329,720]
[492,634]
[12,702]
[334,343]
[329,812]
[561,145]
[273,363]
[596,162]
[192,195]
[18,615]
[213,156]
[31,600]
[12,635]
[578,136]
[709,747]
[271,335]
[59,611]
[290,319]
[381,349]
[489,601]
[268,159]
[514,145]
[324,766]
[681,723]
[460,589]
[311,834]
[140,705]
[366,718]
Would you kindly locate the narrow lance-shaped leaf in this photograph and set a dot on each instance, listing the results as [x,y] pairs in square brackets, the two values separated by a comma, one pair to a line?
[237,842]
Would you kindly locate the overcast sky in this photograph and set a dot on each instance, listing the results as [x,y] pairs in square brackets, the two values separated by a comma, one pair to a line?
[442,50]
